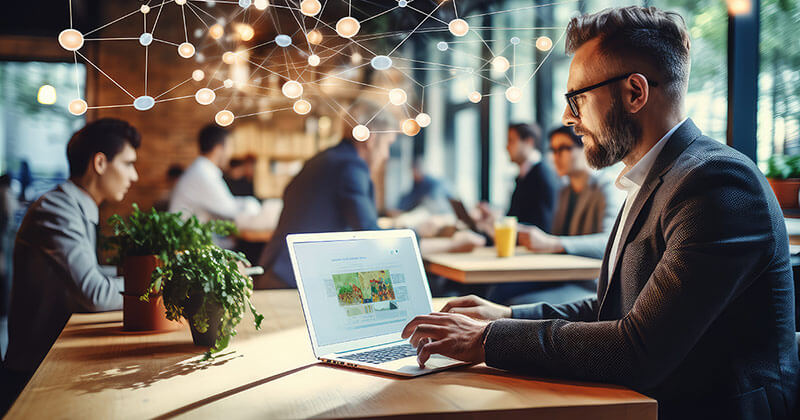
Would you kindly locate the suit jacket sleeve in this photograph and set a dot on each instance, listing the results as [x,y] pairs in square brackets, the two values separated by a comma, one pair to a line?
[718,234]
[355,198]
[594,245]
[61,235]
[582,310]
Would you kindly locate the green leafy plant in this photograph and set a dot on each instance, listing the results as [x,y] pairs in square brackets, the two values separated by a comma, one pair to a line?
[160,233]
[783,167]
[210,275]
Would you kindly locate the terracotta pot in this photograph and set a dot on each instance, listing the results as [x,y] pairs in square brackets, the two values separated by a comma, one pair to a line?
[786,191]
[138,315]
[208,338]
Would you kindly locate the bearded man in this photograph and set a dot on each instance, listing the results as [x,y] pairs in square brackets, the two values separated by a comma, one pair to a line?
[695,301]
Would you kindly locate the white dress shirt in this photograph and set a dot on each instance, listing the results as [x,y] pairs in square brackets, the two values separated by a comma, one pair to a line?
[630,180]
[202,191]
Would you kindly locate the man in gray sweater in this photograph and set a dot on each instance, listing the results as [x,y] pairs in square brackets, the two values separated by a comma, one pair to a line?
[56,271]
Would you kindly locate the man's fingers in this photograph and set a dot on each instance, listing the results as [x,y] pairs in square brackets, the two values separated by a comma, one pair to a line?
[425,331]
[471,312]
[419,320]
[435,347]
[462,301]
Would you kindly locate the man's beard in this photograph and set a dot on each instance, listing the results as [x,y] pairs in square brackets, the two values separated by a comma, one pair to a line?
[616,139]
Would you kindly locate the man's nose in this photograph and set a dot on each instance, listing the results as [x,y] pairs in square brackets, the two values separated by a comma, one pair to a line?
[567,118]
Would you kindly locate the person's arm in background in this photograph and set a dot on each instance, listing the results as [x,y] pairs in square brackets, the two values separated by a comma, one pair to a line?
[210,193]
[61,234]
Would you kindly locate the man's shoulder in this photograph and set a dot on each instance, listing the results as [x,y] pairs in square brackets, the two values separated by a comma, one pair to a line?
[56,206]
[706,155]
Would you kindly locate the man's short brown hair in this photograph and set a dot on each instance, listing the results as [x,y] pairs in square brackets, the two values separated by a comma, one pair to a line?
[645,36]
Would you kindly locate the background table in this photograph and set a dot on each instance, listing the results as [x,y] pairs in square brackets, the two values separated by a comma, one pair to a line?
[482,266]
[96,371]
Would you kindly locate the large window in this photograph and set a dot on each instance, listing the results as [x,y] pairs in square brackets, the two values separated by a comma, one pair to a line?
[779,79]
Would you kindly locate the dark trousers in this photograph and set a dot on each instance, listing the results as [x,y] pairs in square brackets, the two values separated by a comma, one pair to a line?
[11,385]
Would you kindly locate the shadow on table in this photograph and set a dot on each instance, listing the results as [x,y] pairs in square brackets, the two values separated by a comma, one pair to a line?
[153,363]
[231,392]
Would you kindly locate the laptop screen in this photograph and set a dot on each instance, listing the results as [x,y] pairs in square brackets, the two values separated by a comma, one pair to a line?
[360,288]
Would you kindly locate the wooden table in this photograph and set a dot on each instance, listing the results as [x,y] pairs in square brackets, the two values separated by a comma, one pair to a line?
[482,266]
[96,371]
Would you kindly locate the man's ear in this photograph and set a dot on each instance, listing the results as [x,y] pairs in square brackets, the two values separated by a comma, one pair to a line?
[100,163]
[636,92]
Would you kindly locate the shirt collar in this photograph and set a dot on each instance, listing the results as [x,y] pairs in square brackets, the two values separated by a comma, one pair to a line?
[533,158]
[208,165]
[632,177]
[85,201]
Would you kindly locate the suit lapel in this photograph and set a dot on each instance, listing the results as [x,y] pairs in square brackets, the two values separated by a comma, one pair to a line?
[676,144]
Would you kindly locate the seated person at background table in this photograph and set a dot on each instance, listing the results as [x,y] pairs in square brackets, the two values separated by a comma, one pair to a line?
[533,201]
[174,173]
[695,304]
[587,208]
[56,271]
[426,191]
[239,176]
[333,191]
[202,191]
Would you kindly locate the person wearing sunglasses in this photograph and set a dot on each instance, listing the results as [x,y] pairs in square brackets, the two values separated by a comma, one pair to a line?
[695,300]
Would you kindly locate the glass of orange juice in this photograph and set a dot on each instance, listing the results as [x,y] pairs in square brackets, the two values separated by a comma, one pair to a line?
[505,236]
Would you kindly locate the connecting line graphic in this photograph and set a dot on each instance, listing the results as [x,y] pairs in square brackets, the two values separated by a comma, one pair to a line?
[315,61]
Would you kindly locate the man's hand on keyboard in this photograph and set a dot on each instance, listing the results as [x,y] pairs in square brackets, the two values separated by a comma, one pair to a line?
[452,335]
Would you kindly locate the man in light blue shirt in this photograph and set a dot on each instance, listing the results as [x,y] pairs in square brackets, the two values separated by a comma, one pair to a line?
[56,272]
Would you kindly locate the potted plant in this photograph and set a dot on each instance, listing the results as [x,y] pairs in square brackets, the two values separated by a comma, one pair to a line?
[205,286]
[144,241]
[783,174]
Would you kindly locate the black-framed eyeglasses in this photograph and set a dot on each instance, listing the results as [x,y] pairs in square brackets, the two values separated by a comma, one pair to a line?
[571,96]
[563,148]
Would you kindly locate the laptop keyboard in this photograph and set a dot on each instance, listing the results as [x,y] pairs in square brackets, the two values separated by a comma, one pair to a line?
[386,354]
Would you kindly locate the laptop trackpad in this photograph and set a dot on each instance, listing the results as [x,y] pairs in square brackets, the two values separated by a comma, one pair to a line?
[409,365]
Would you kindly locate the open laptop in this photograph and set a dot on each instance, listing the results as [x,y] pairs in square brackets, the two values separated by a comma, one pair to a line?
[358,291]
[463,215]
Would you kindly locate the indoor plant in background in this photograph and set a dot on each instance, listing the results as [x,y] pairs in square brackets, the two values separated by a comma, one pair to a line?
[783,174]
[205,285]
[144,241]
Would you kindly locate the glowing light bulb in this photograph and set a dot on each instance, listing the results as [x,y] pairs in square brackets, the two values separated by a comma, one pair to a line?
[205,96]
[347,27]
[228,57]
[246,32]
[283,40]
[410,127]
[442,46]
[143,103]
[356,58]
[145,39]
[475,96]
[186,50]
[544,43]
[198,75]
[46,95]
[228,83]
[224,118]
[458,27]
[292,89]
[145,9]
[310,7]
[180,2]
[513,94]
[314,37]
[261,4]
[515,40]
[397,96]
[423,119]
[216,31]
[77,107]
[313,60]
[361,132]
[500,64]
[739,7]
[244,4]
[381,62]
[302,107]
[70,39]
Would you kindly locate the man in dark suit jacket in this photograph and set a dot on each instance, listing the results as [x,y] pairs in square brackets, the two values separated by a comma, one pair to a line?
[695,297]
[333,192]
[533,201]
